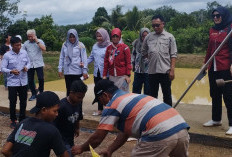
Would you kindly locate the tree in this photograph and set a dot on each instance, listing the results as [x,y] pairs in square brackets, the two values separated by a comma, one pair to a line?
[20,27]
[8,9]
[115,16]
[182,21]
[133,19]
[100,16]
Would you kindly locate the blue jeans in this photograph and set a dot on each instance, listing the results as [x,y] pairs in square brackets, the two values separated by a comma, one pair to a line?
[139,80]
[69,150]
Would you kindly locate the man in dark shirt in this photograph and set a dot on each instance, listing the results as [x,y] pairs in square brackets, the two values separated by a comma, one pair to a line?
[36,136]
[70,113]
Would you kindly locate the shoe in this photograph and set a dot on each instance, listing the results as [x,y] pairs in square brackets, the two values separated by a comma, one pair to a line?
[32,98]
[229,132]
[13,124]
[212,123]
[96,114]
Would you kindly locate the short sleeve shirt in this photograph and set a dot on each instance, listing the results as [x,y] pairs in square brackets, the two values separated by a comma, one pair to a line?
[67,118]
[35,137]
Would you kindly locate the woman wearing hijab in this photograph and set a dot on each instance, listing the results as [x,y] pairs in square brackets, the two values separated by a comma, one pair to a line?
[73,59]
[140,65]
[97,55]
[117,61]
[220,67]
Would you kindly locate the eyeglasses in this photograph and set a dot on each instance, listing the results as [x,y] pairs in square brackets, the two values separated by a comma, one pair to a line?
[216,15]
[155,25]
[115,36]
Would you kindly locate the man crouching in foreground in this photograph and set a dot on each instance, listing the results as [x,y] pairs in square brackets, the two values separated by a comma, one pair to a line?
[160,130]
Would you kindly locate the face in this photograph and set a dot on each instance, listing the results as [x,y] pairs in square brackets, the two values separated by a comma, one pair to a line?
[115,39]
[8,38]
[16,47]
[72,38]
[158,26]
[104,98]
[50,114]
[217,18]
[99,37]
[76,97]
[31,37]
[144,35]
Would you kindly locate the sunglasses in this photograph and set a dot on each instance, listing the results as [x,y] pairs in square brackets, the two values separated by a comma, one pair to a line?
[216,15]
[115,36]
[155,25]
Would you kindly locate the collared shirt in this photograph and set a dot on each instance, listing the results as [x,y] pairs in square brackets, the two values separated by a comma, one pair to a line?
[72,66]
[159,49]
[97,55]
[11,61]
[34,53]
[141,116]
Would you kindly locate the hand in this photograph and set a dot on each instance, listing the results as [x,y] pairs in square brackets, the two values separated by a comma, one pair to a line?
[85,76]
[76,134]
[25,69]
[15,72]
[171,75]
[35,38]
[105,153]
[81,65]
[60,74]
[127,78]
[104,77]
[77,150]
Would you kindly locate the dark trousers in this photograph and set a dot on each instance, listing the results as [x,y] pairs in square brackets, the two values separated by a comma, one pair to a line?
[12,96]
[164,81]
[217,93]
[40,75]
[69,80]
[96,79]
[139,80]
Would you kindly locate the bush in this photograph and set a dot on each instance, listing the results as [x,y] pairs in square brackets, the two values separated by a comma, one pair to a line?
[129,36]
[88,42]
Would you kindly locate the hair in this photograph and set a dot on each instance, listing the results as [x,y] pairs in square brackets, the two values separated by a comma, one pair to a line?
[31,31]
[5,37]
[78,86]
[15,40]
[158,17]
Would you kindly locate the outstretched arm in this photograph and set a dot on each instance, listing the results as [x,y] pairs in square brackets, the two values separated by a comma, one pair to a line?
[7,149]
[118,142]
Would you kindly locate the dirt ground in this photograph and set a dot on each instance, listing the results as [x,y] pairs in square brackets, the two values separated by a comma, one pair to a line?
[195,150]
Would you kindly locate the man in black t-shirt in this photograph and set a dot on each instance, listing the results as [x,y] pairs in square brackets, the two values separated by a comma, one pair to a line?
[70,113]
[36,136]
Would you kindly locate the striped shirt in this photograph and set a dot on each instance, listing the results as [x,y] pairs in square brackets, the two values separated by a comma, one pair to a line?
[141,116]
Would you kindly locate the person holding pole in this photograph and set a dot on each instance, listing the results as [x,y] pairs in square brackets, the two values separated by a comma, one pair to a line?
[220,67]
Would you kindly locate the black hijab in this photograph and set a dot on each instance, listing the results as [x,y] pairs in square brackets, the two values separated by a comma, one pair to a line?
[226,18]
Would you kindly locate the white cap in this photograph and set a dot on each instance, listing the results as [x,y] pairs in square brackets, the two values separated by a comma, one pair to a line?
[19,36]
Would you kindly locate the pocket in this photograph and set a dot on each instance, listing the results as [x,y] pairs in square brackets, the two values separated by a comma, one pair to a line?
[164,46]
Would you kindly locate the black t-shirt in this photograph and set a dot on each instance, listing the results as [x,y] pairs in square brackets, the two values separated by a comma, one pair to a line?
[4,49]
[35,137]
[67,119]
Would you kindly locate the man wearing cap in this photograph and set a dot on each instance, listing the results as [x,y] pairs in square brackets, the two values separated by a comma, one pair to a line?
[160,129]
[36,136]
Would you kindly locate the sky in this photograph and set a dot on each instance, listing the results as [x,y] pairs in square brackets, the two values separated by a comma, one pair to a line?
[66,12]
